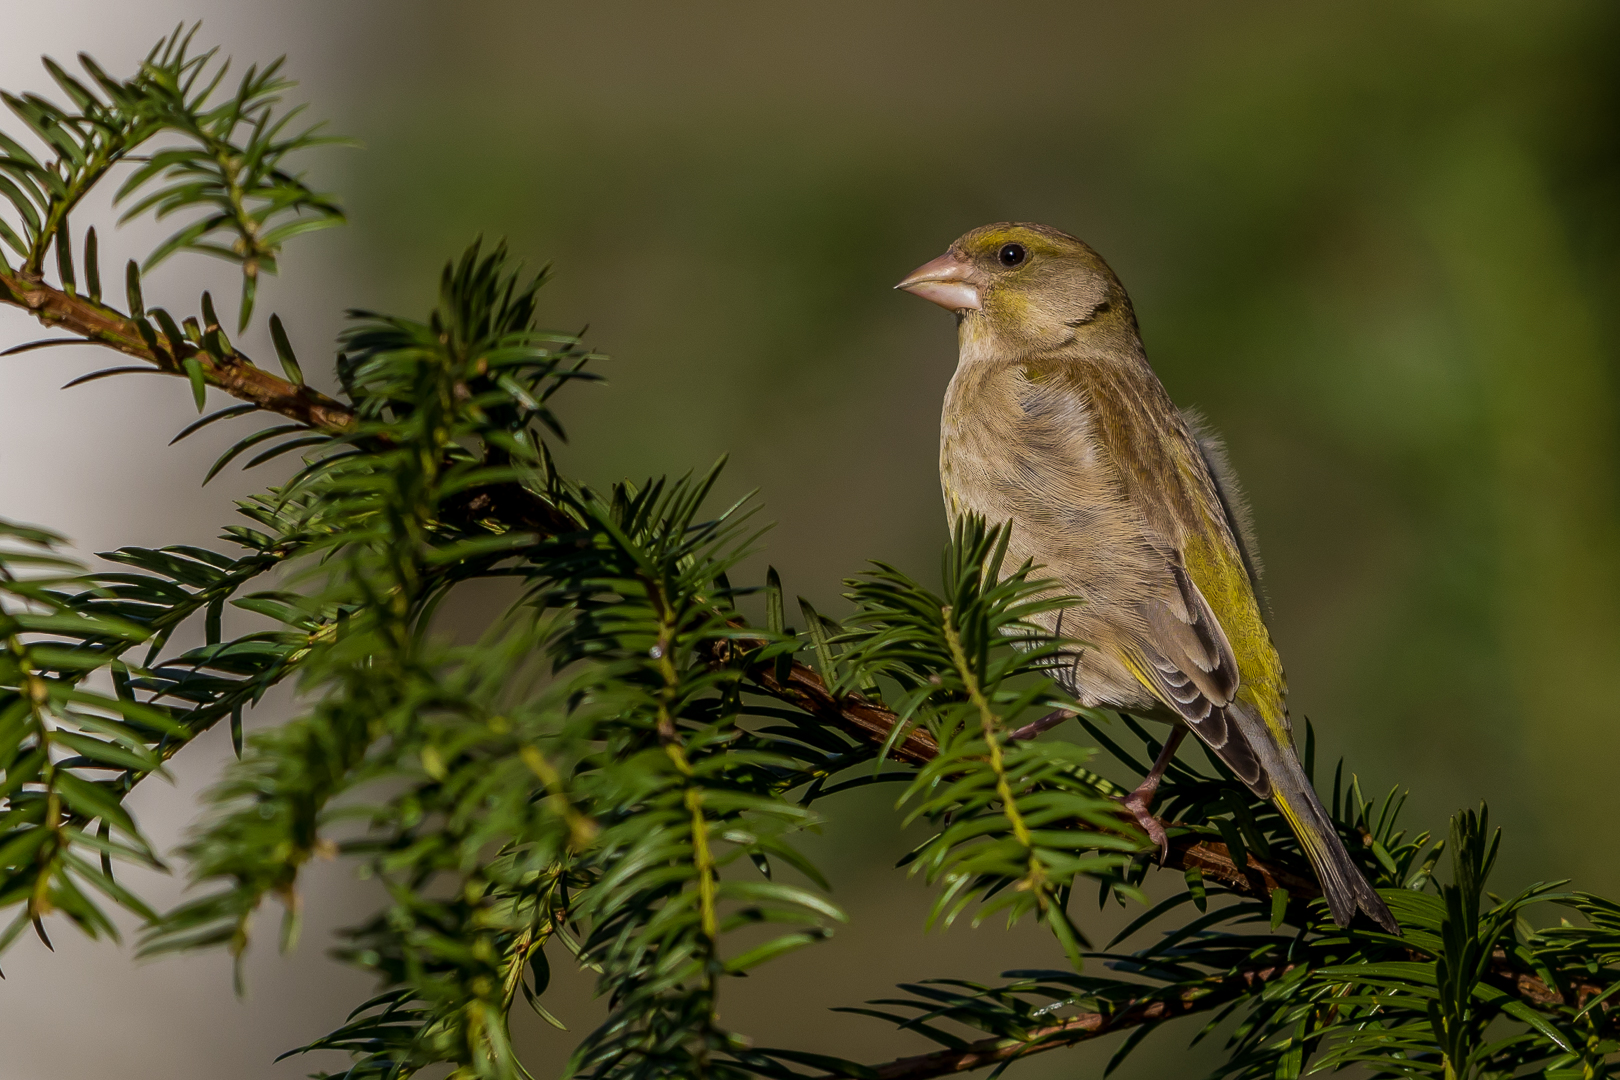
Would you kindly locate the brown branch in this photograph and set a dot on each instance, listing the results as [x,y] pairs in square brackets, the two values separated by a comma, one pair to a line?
[1214,859]
[1152,1009]
[236,375]
[509,503]
[864,719]
[867,720]
[1076,1029]
[804,689]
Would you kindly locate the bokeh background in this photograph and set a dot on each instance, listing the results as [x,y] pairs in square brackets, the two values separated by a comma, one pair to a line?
[1376,244]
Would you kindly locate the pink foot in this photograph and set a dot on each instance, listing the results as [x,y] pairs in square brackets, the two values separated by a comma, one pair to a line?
[1137,802]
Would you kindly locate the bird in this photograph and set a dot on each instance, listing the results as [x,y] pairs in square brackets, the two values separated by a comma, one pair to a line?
[1055,422]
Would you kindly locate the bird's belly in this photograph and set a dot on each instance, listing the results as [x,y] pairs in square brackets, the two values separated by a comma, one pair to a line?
[1093,667]
[1093,554]
[1069,523]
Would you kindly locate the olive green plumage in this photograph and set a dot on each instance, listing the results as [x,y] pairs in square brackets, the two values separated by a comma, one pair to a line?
[1054,420]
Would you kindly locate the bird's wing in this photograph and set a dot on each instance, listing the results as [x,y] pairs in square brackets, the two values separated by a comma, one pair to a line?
[1200,645]
[1188,663]
[1204,650]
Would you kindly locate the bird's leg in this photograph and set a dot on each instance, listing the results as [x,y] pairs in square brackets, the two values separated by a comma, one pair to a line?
[1140,801]
[1035,727]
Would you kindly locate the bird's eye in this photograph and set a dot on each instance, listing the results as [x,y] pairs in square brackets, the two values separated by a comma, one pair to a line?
[1012,254]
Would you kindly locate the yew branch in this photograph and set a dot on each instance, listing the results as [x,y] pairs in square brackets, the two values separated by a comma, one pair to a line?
[236,374]
[1076,1029]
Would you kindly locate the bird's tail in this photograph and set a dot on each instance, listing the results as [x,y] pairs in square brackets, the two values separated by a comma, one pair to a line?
[1342,882]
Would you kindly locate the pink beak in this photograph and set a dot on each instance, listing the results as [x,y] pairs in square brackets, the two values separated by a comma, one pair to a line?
[949,281]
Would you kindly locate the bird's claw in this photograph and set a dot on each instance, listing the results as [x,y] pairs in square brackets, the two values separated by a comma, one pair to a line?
[1137,803]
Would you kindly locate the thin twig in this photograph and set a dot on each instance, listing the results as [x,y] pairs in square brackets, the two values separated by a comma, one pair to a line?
[236,375]
[852,713]
[1152,1009]
[1076,1029]
[509,502]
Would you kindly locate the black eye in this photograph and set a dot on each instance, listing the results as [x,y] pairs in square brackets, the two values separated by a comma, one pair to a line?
[1012,254]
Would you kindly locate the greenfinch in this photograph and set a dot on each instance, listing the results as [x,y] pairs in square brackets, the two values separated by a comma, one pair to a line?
[1055,422]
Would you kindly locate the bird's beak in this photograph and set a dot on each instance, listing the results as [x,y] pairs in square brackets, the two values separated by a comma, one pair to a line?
[949,281]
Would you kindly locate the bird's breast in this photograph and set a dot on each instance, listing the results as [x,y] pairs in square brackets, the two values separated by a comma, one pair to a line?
[1018,447]
[1014,447]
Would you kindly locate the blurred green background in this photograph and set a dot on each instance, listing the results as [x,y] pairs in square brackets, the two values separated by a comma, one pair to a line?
[1375,244]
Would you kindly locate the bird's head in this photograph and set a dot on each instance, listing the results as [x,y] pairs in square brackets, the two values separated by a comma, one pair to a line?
[1027,286]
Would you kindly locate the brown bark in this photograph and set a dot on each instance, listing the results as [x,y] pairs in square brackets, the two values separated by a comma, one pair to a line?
[1076,1029]
[1151,1009]
[235,375]
[851,712]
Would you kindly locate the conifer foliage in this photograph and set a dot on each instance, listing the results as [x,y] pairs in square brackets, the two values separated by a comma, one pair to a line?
[615,775]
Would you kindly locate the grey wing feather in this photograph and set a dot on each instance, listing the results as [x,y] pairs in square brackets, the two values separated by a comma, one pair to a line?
[1191,666]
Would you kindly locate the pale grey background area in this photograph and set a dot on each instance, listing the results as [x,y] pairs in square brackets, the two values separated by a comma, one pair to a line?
[89,1009]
